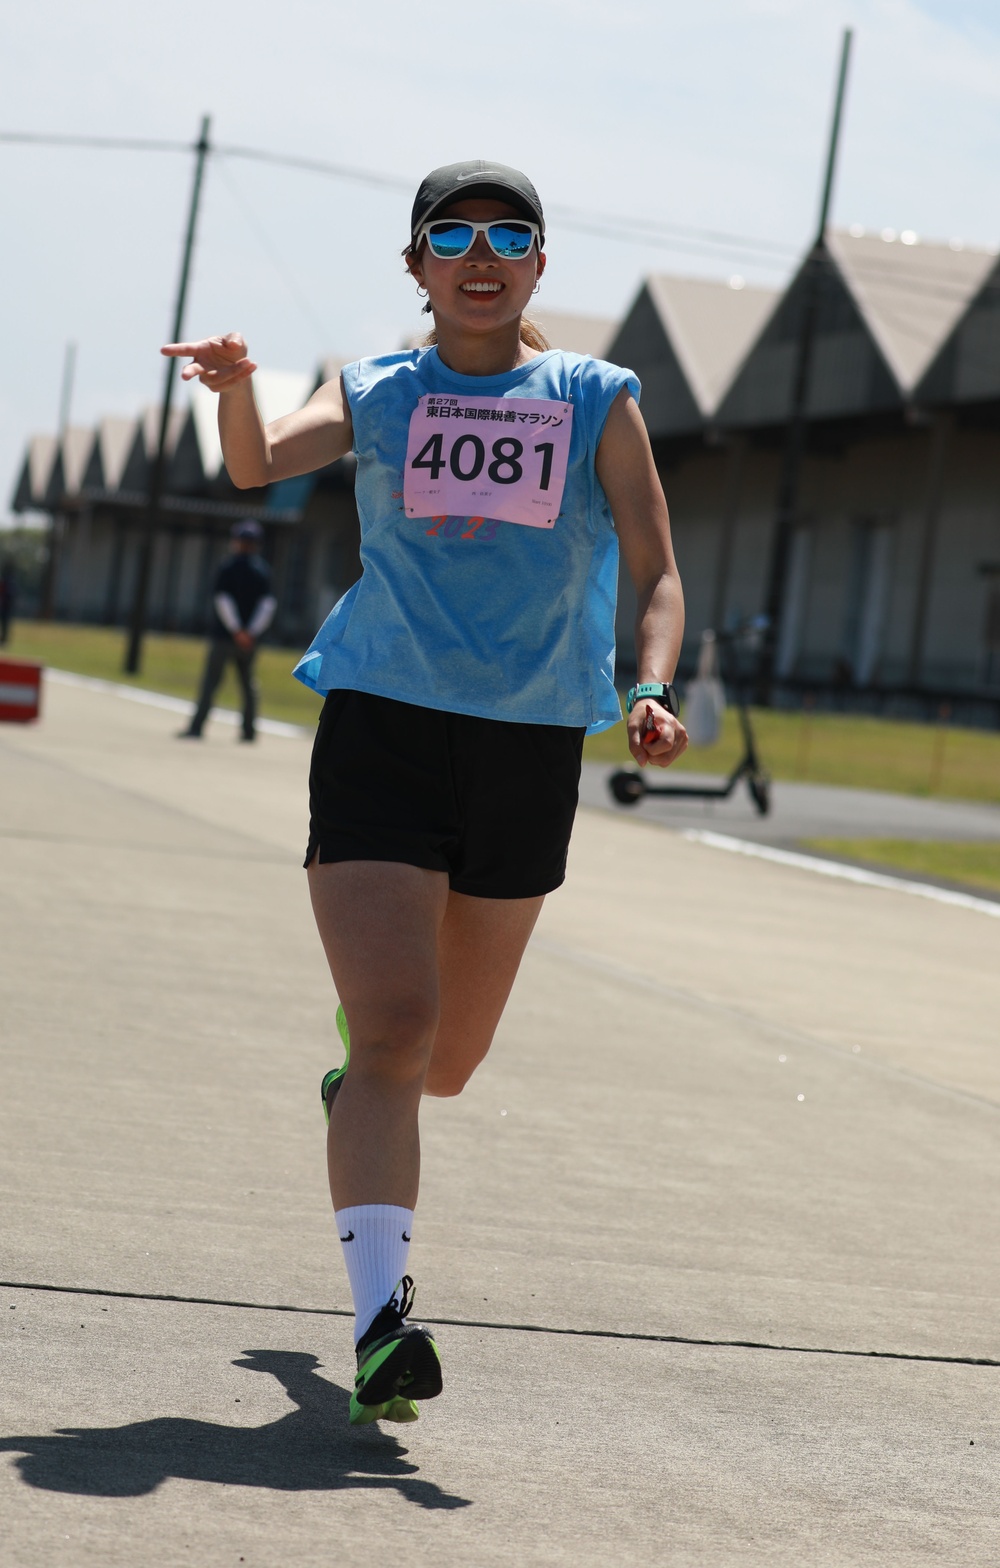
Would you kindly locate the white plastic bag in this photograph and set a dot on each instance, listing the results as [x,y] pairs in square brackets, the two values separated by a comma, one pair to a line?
[705,698]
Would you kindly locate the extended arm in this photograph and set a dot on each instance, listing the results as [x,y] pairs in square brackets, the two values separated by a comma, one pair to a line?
[258,454]
[628,474]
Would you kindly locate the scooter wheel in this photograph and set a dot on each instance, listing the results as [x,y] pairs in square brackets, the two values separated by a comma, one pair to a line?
[760,792]
[627,788]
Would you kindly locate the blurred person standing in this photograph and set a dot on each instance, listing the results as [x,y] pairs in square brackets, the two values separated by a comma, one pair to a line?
[243,608]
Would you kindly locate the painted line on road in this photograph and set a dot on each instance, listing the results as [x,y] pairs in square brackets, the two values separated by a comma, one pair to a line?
[159,699]
[516,1328]
[835,868]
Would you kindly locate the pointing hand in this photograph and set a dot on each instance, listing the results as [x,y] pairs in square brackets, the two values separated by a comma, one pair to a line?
[219,363]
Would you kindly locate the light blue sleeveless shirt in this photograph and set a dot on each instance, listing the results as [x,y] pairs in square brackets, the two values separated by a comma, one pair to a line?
[512,623]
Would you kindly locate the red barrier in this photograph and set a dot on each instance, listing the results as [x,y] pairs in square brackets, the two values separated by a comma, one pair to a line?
[20,690]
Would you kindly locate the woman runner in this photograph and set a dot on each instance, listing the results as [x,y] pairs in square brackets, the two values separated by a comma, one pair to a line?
[495,479]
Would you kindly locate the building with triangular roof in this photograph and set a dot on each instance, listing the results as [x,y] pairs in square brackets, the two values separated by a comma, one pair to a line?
[893,587]
[575,332]
[910,292]
[886,304]
[685,339]
[966,368]
[114,439]
[72,455]
[868,588]
[32,484]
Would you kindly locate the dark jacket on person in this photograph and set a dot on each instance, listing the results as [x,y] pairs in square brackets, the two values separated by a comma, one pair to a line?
[246,579]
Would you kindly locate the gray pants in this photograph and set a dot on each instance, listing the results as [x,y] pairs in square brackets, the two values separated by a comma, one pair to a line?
[220,651]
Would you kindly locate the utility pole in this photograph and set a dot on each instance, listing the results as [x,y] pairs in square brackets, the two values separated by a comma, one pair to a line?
[48,594]
[133,657]
[786,507]
[66,390]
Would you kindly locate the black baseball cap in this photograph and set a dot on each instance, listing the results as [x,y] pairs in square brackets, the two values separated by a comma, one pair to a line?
[246,528]
[477,177]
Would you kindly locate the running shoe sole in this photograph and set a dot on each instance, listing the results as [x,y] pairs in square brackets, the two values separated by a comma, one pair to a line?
[400,1369]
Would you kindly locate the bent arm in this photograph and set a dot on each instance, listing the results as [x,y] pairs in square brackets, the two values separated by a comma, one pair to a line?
[257,454]
[628,474]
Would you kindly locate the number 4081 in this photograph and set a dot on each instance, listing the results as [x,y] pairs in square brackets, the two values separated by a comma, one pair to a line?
[505,468]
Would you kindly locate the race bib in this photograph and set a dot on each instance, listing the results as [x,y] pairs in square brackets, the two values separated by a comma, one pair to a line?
[498,457]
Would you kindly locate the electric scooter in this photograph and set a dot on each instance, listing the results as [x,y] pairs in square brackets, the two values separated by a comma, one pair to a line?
[629,785]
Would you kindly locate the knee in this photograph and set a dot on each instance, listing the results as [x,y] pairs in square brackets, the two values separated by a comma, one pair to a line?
[395,1043]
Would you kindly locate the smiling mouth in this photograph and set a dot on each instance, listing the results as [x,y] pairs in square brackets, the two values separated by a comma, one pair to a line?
[472,287]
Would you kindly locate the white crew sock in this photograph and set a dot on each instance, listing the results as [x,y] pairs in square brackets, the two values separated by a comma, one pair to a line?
[375,1238]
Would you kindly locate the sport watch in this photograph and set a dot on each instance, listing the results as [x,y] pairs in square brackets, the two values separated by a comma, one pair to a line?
[660,691]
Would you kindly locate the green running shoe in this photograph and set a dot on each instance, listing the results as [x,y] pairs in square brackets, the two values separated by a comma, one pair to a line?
[335,1077]
[398,1363]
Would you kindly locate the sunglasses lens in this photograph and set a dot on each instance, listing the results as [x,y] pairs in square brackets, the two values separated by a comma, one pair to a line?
[449,240]
[512,240]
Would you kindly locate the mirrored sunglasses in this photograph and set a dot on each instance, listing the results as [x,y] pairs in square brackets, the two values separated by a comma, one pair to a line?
[452,238]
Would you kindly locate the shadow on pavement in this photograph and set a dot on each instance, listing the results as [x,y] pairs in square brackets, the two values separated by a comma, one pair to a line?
[310,1449]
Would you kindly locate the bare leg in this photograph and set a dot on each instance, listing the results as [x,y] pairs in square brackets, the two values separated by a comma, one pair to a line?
[379,924]
[480,948]
[423,975]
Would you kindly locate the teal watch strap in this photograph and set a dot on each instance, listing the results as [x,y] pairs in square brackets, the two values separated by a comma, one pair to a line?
[661,691]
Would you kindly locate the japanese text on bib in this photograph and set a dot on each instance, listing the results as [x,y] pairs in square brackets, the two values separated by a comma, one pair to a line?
[499,457]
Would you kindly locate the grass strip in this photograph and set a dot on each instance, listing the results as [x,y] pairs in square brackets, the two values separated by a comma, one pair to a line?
[969,865]
[169,664]
[846,749]
[819,748]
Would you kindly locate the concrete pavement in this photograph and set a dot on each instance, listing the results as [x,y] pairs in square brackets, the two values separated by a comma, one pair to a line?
[710,1237]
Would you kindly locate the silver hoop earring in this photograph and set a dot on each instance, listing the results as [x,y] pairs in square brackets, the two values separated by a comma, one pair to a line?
[536,288]
[421,291]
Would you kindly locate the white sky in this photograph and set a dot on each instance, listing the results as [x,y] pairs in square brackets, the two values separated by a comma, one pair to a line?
[712,115]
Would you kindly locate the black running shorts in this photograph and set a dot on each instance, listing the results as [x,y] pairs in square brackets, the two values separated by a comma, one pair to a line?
[488,802]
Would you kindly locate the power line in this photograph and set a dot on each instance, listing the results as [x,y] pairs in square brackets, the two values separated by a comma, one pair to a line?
[571,216]
[615,229]
[649,231]
[577,218]
[683,238]
[340,171]
[119,143]
[304,304]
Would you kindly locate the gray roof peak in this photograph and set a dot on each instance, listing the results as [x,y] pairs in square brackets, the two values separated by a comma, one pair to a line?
[910,291]
[712,324]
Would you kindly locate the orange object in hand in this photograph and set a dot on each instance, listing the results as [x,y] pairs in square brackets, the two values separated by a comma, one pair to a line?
[650,731]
